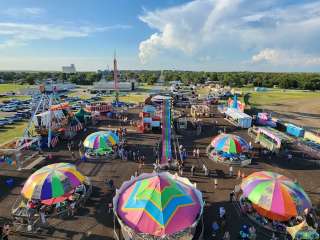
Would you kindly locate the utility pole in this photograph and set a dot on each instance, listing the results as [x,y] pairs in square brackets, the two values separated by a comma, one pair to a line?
[115,77]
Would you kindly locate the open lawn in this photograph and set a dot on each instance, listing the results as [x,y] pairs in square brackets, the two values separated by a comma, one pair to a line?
[11,131]
[14,97]
[9,87]
[273,97]
[131,98]
[299,107]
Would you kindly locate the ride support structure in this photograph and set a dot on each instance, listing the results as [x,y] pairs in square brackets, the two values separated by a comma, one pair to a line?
[166,133]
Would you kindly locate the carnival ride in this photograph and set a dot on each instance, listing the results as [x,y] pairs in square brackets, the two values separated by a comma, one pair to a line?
[236,104]
[229,149]
[51,120]
[158,206]
[50,188]
[99,110]
[277,203]
[100,144]
[166,133]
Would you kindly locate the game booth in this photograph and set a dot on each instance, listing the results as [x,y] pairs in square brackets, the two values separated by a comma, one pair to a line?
[159,206]
[199,111]
[150,119]
[49,192]
[270,138]
[278,205]
[211,100]
[19,152]
[265,119]
[229,149]
[101,145]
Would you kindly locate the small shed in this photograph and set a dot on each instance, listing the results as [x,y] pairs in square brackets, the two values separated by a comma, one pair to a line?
[294,130]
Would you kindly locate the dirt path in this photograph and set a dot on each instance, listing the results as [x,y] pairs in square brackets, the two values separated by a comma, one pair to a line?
[94,221]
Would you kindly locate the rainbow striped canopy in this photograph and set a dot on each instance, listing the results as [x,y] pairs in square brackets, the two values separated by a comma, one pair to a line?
[275,196]
[52,181]
[230,143]
[101,140]
[158,204]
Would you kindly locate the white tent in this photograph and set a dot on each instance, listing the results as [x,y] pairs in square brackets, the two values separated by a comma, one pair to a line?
[243,120]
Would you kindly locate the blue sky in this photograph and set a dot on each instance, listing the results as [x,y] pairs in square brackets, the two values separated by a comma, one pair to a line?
[211,35]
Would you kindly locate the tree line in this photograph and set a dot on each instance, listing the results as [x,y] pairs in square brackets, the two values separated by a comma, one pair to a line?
[307,81]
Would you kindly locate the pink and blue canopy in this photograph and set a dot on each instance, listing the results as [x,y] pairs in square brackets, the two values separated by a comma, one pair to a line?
[158,204]
[230,143]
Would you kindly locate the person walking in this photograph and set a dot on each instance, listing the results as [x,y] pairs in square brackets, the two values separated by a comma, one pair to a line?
[181,171]
[226,236]
[198,152]
[215,229]
[230,171]
[192,170]
[194,152]
[215,183]
[134,156]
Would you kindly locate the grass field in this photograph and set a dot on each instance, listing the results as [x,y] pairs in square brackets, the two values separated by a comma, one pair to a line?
[296,106]
[12,131]
[9,87]
[131,98]
[273,97]
[14,97]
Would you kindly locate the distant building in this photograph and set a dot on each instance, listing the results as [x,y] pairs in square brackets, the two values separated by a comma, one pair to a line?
[69,69]
[108,86]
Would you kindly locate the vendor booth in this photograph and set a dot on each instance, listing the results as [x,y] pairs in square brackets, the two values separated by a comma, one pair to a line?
[269,138]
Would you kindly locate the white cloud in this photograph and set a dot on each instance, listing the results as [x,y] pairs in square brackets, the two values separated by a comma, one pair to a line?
[284,57]
[18,34]
[240,27]
[24,12]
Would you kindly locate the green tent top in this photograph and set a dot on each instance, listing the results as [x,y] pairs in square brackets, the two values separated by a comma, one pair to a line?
[81,114]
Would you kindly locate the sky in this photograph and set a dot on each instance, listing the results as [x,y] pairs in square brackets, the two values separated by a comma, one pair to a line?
[199,35]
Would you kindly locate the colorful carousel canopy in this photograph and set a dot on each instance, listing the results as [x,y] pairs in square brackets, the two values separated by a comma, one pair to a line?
[230,143]
[275,196]
[52,182]
[101,140]
[158,204]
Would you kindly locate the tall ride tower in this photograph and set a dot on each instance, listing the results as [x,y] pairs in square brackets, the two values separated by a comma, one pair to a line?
[115,77]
